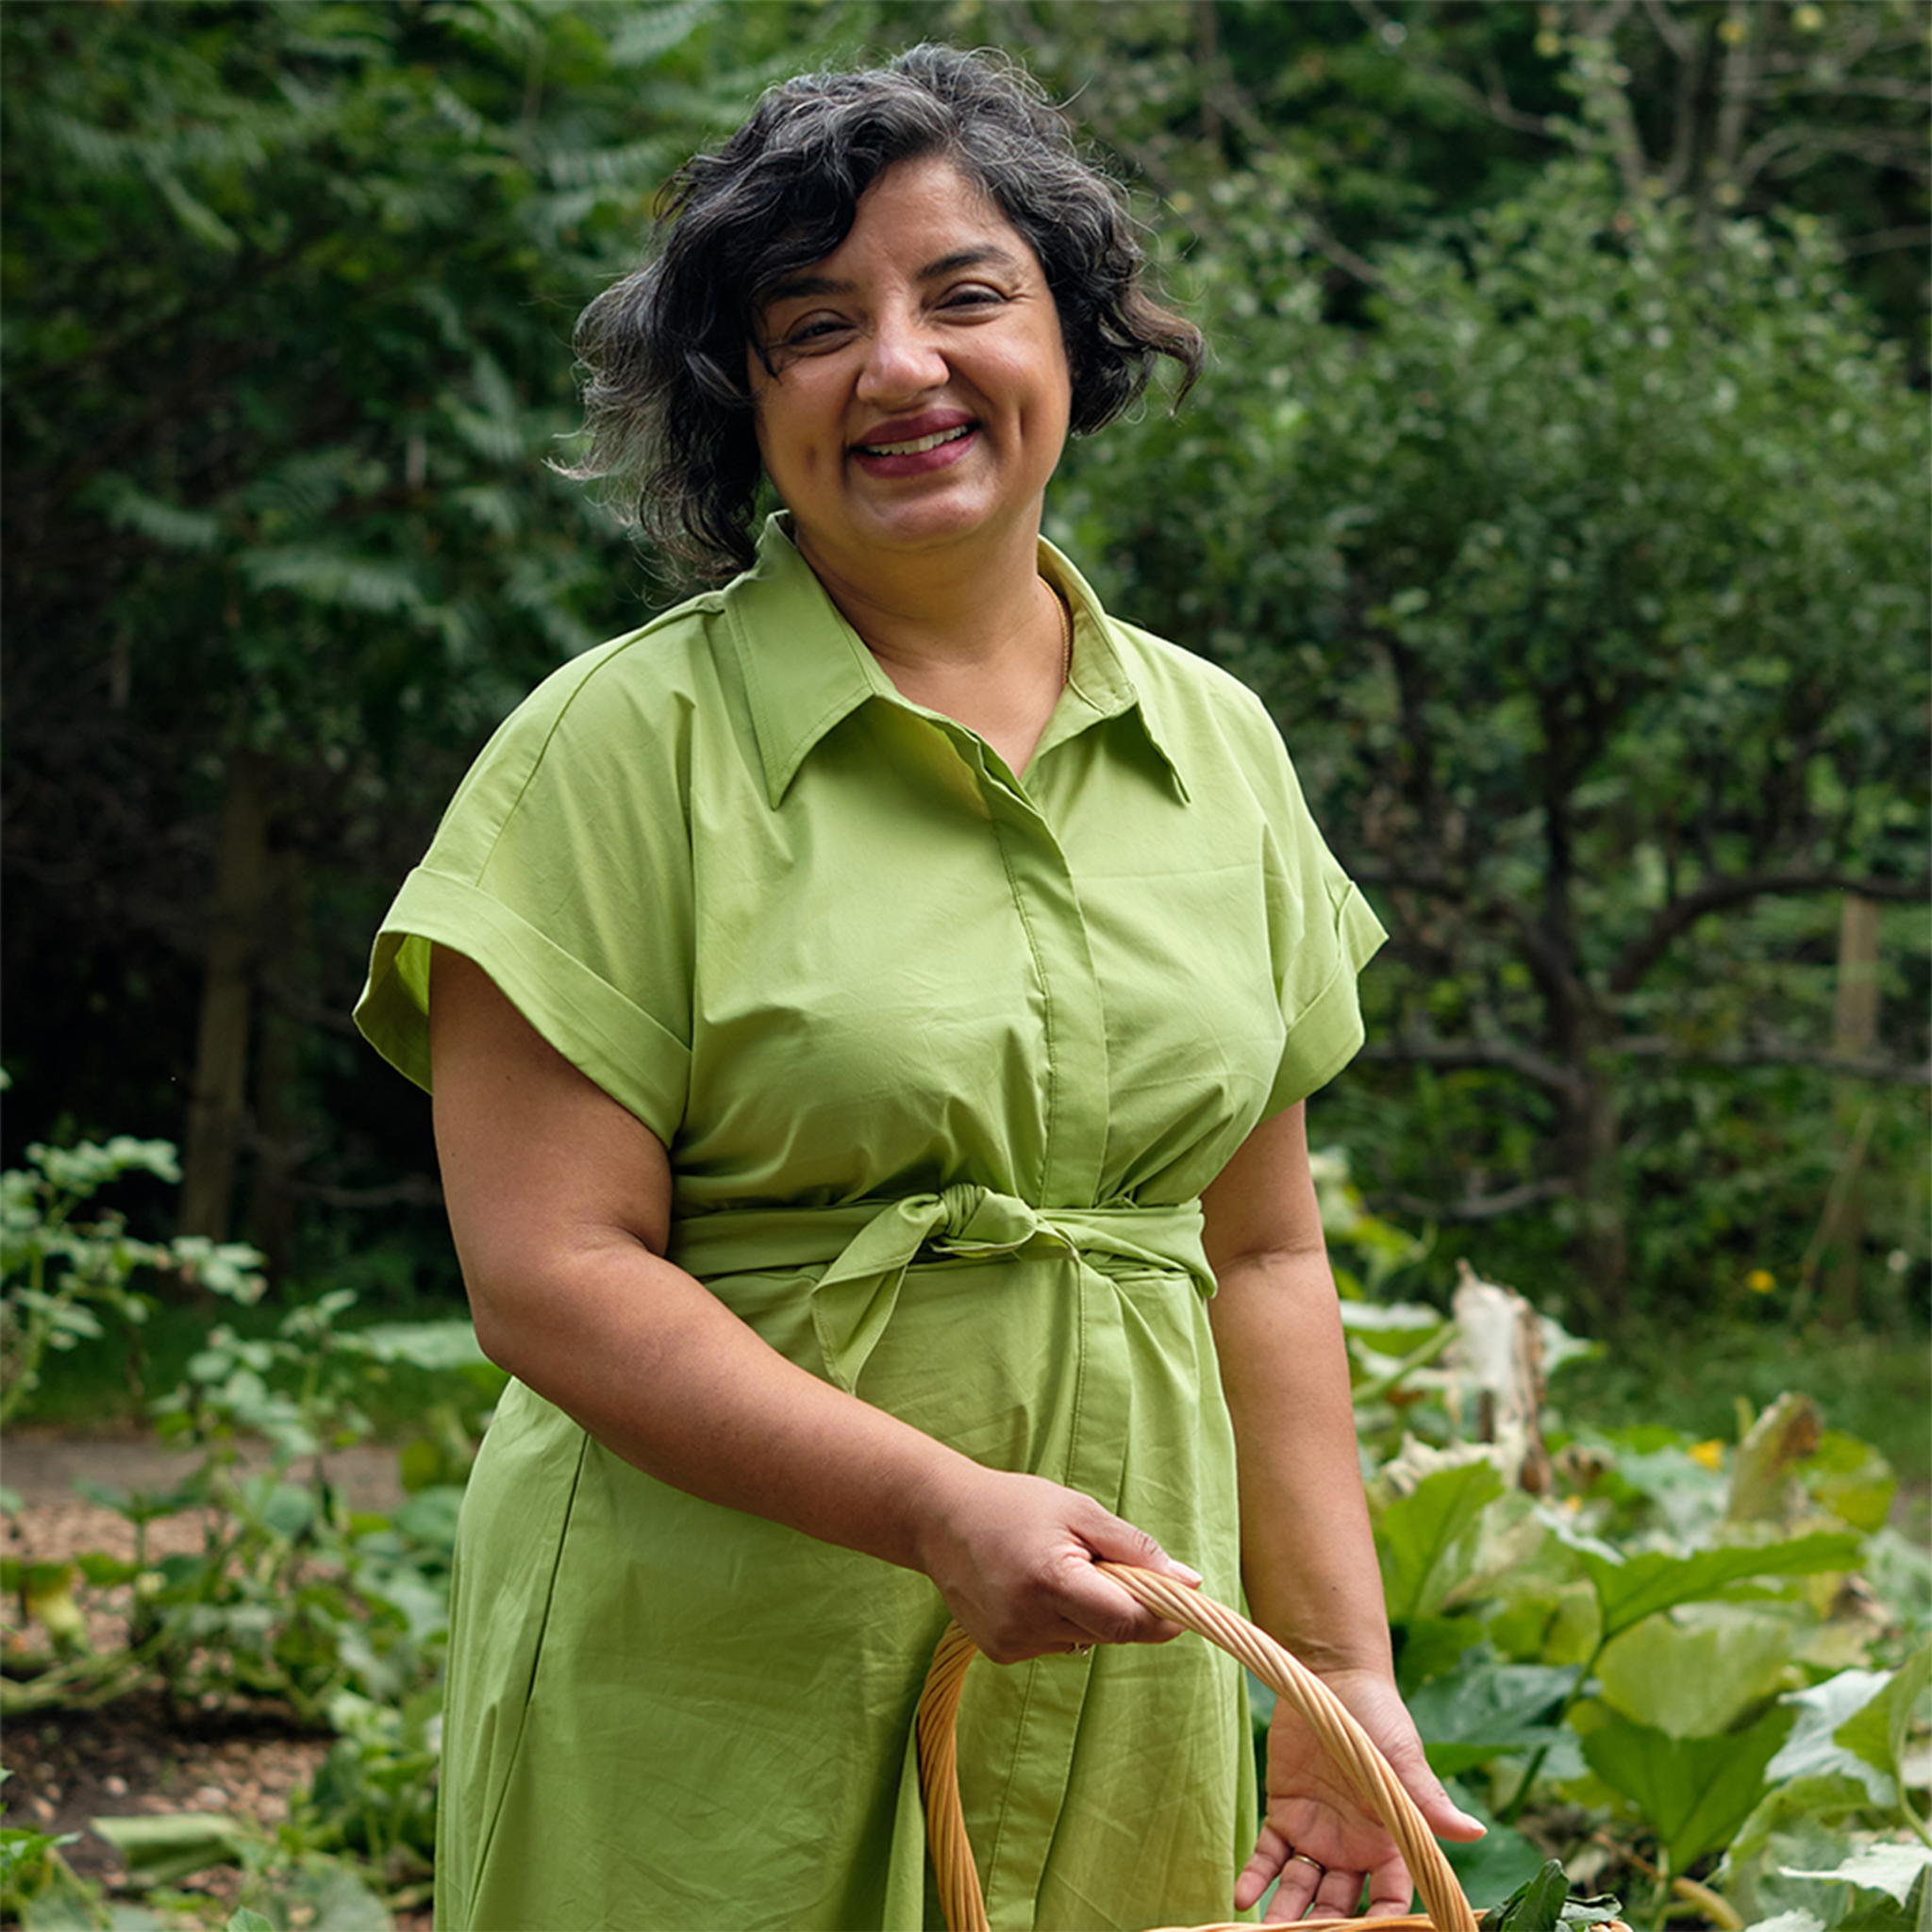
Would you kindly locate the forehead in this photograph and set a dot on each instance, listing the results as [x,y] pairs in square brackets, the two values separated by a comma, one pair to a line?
[924,218]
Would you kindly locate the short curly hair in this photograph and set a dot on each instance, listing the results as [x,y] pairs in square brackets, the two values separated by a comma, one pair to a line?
[667,399]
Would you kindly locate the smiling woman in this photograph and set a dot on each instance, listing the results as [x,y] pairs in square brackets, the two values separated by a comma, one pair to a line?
[868,1012]
[669,400]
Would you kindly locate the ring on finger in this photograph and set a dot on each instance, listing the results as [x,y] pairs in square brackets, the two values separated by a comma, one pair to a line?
[1081,1649]
[1302,1858]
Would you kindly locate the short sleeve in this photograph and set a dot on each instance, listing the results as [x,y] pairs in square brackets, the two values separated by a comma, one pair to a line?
[562,868]
[1322,933]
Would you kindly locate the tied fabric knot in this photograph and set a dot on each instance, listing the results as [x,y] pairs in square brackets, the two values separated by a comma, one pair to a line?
[854,1300]
[866,1247]
[977,1221]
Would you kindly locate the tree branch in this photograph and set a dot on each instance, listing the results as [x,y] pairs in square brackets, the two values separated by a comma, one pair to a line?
[1491,1054]
[1493,100]
[1643,953]
[1477,1207]
[1672,31]
[1887,239]
[1900,1073]
[412,1191]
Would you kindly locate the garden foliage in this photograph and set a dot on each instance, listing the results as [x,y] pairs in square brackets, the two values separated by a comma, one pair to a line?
[1692,1671]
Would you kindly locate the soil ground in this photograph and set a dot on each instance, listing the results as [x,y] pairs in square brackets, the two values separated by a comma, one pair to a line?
[70,1767]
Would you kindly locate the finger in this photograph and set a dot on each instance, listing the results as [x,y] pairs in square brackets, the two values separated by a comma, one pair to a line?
[1391,1891]
[1441,1813]
[1258,1874]
[1124,1617]
[1103,1612]
[1294,1894]
[1118,1541]
[1337,1895]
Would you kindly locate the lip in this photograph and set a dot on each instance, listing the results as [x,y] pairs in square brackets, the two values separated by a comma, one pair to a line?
[910,428]
[921,462]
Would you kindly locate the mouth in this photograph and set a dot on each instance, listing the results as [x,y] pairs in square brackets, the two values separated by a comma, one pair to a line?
[918,446]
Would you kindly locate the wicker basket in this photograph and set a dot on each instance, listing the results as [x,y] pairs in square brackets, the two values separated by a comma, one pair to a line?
[1345,1740]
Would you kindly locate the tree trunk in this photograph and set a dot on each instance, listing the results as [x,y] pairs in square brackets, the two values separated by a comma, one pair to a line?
[236,923]
[1853,1037]
[278,1144]
[1593,1138]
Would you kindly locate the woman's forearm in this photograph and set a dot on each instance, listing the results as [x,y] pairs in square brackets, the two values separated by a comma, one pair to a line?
[661,1373]
[1308,1553]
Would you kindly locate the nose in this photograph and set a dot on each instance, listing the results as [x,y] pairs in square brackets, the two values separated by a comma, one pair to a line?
[903,357]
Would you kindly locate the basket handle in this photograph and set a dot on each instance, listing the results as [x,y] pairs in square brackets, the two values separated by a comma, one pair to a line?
[1350,1746]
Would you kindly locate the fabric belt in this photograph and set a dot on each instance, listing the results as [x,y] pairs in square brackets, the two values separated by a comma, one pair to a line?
[866,1247]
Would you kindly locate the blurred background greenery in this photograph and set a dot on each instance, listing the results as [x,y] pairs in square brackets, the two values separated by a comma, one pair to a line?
[1559,479]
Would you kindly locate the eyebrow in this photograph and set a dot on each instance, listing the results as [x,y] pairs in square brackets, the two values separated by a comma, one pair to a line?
[802,287]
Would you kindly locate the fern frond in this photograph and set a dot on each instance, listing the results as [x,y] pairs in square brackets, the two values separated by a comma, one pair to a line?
[336,578]
[128,506]
[648,33]
[632,165]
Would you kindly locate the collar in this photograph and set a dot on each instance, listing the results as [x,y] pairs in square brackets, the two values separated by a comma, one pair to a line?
[806,668]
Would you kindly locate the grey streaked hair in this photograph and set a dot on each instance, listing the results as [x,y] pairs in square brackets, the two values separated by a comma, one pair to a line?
[667,397]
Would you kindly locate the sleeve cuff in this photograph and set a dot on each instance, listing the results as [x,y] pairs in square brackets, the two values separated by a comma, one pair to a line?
[610,1039]
[1327,1033]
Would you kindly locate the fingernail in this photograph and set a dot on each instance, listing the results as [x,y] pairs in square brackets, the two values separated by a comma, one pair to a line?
[1192,1577]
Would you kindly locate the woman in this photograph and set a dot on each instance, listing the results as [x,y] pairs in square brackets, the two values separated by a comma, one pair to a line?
[870,1010]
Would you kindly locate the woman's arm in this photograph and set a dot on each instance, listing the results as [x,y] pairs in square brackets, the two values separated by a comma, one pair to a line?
[559,1201]
[1307,1553]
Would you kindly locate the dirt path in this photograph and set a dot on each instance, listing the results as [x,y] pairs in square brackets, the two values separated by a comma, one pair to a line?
[69,1767]
[42,1467]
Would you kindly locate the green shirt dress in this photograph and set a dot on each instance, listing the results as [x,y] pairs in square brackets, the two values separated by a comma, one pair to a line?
[944,1059]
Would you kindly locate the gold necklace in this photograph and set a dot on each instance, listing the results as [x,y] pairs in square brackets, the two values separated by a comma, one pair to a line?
[1060,605]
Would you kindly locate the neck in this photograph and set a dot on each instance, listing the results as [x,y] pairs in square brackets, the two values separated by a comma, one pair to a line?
[987,645]
[932,612]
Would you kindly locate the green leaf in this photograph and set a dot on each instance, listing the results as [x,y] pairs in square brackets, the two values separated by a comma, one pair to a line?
[1695,1670]
[1630,1589]
[160,1850]
[1542,1903]
[1392,1328]
[1693,1793]
[245,1918]
[1877,1732]
[1425,1539]
[103,1571]
[341,1902]
[1850,1479]
[1777,1442]
[1498,1862]
[1536,1905]
[145,1506]
[1815,1748]
[1486,1710]
[424,1344]
[1891,1868]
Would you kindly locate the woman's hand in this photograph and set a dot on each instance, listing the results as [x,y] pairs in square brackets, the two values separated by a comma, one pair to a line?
[1317,1837]
[1013,1557]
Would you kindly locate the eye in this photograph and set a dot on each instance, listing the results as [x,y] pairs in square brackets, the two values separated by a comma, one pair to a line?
[813,329]
[973,296]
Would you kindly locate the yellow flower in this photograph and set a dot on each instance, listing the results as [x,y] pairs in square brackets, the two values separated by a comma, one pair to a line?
[1710,1455]
[1761,1281]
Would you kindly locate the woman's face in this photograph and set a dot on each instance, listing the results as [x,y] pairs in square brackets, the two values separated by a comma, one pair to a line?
[920,393]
